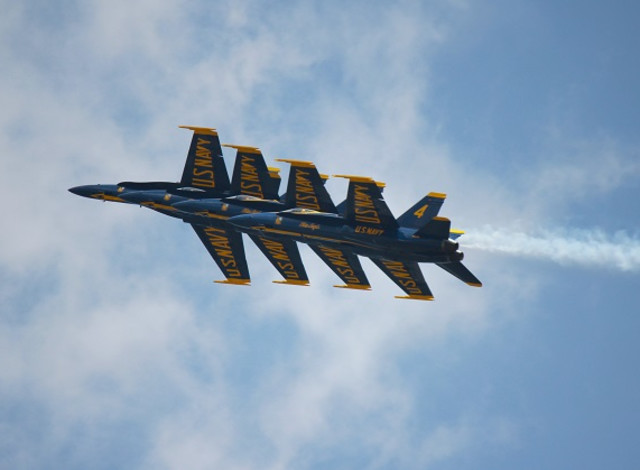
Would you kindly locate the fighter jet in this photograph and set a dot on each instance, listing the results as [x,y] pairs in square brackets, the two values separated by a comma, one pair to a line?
[305,189]
[368,228]
[204,177]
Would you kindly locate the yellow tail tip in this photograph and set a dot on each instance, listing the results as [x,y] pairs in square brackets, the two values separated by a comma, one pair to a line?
[201,130]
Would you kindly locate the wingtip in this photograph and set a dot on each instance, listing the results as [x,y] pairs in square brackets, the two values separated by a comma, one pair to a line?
[354,286]
[291,282]
[415,297]
[235,282]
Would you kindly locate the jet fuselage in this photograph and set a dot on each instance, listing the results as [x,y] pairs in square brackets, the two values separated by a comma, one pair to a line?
[331,230]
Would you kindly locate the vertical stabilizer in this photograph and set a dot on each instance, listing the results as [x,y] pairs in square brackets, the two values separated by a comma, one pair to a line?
[205,167]
[365,206]
[423,211]
[251,176]
[305,188]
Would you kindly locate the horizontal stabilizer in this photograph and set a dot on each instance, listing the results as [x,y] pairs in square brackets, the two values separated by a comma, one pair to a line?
[438,227]
[454,234]
[423,211]
[459,270]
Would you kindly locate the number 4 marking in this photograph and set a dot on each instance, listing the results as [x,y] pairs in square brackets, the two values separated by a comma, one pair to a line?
[420,212]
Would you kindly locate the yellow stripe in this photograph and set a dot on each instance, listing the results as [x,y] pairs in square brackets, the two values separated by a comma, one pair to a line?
[315,237]
[455,230]
[106,197]
[216,216]
[300,163]
[415,297]
[201,130]
[235,282]
[475,284]
[155,205]
[244,148]
[438,195]
[292,282]
[357,179]
[281,232]
[443,219]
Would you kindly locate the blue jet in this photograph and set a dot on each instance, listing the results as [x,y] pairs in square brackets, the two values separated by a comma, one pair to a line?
[305,190]
[367,228]
[204,177]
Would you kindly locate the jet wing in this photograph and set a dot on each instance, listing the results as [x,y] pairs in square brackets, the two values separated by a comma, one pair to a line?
[459,270]
[408,276]
[227,250]
[205,166]
[251,176]
[305,188]
[365,207]
[345,264]
[285,257]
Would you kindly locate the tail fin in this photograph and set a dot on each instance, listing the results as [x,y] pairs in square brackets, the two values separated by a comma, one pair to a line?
[341,208]
[365,205]
[423,211]
[273,183]
[205,166]
[306,189]
[251,175]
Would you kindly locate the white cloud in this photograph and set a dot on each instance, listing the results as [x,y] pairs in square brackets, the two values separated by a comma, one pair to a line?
[111,317]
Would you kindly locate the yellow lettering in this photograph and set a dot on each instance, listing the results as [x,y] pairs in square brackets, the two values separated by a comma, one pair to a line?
[305,194]
[205,173]
[420,212]
[203,183]
[364,207]
[220,244]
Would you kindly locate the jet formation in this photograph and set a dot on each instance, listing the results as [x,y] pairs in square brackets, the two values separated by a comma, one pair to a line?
[220,209]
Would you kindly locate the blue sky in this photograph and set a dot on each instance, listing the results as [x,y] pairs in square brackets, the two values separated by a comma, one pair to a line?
[119,352]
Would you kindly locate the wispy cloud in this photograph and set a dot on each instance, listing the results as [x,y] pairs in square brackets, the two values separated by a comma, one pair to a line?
[580,247]
[109,319]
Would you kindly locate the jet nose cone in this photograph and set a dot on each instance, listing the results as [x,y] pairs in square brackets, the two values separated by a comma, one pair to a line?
[86,190]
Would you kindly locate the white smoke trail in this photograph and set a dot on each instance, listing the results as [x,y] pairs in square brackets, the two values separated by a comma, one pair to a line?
[584,247]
